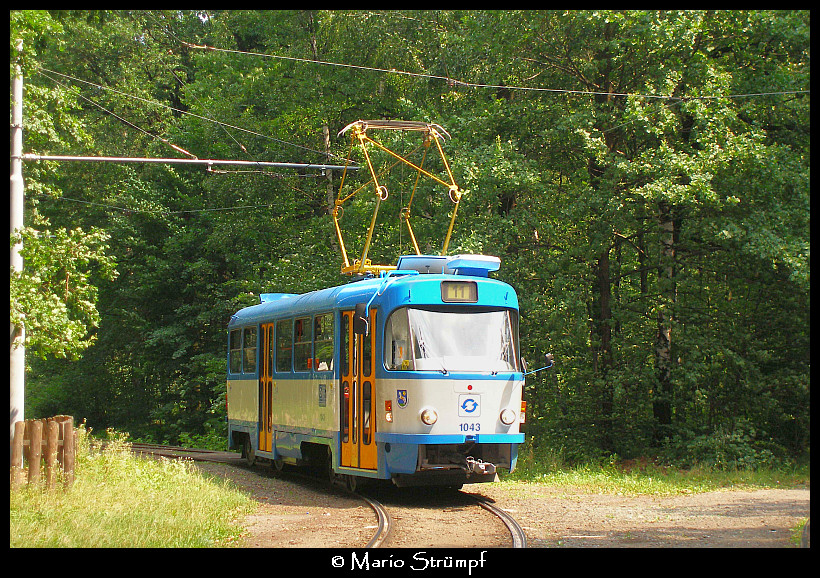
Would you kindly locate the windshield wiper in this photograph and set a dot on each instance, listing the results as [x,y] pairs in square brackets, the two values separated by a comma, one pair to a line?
[423,351]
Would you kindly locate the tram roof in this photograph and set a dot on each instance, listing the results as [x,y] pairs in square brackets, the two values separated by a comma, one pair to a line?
[281,304]
[394,290]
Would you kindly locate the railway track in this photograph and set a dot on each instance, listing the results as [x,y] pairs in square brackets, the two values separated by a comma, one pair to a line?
[196,455]
[384,520]
[382,533]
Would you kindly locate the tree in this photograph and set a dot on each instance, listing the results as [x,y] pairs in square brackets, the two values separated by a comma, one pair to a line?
[644,176]
[55,295]
[631,189]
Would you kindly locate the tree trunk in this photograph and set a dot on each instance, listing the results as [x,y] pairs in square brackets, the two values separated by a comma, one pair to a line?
[330,192]
[662,402]
[602,355]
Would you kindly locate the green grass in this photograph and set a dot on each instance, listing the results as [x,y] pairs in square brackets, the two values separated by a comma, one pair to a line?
[641,477]
[121,500]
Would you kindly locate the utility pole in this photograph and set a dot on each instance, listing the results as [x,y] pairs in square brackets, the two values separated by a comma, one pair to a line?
[17,361]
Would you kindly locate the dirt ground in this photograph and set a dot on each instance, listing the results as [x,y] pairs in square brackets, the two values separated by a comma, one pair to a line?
[555,517]
[305,514]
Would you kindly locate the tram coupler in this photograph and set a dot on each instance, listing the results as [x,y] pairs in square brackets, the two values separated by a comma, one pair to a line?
[475,466]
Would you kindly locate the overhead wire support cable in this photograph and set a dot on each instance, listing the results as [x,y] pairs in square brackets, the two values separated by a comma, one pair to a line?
[206,162]
[184,112]
[123,120]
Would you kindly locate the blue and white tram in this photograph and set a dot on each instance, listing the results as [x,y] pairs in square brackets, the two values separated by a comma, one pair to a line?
[413,376]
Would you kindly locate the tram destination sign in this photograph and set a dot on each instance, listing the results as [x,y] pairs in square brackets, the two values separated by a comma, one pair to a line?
[459,292]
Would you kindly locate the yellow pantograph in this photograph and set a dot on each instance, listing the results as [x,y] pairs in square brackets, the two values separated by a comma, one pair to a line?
[432,133]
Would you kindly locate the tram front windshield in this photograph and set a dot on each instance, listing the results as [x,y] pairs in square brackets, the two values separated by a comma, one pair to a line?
[467,340]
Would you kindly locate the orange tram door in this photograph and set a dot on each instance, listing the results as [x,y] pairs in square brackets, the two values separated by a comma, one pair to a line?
[266,390]
[358,394]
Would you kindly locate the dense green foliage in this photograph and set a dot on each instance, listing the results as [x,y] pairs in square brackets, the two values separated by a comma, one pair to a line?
[649,201]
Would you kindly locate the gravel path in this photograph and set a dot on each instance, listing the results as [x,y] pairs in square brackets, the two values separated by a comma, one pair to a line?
[306,514]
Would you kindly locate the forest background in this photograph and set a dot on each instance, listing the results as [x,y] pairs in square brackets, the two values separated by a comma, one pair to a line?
[643,176]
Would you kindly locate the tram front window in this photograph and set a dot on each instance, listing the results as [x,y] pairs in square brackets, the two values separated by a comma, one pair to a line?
[451,341]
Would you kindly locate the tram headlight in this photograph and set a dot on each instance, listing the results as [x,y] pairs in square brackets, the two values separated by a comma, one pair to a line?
[428,416]
[507,416]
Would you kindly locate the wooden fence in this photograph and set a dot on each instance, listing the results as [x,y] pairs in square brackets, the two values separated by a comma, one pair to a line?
[51,442]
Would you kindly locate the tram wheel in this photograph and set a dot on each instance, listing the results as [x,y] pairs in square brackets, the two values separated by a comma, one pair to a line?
[352,483]
[247,452]
[331,475]
[278,465]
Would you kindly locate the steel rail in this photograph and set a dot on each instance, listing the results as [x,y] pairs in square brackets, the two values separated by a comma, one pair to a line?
[194,454]
[519,538]
[385,522]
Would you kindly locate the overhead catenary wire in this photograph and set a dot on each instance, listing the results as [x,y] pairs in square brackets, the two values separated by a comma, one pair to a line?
[186,112]
[194,160]
[467,84]
[209,163]
[450,80]
[214,162]
[124,120]
[154,212]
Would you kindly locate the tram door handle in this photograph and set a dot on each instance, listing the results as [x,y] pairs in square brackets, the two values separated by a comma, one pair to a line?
[354,410]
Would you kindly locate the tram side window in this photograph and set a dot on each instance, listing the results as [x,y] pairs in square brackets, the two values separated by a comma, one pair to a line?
[269,346]
[302,342]
[249,348]
[284,345]
[323,342]
[397,355]
[235,351]
[345,345]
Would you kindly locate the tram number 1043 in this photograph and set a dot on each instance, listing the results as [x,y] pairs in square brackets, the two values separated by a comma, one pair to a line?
[469,427]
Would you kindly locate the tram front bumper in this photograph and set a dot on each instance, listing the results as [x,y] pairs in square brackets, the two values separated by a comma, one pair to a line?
[475,458]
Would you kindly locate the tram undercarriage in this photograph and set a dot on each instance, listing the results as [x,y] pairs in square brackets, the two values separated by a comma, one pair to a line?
[455,464]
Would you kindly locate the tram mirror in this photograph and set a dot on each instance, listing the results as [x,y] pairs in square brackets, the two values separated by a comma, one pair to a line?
[550,362]
[360,319]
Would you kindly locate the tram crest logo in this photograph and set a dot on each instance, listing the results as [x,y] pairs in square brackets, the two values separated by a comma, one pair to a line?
[401,397]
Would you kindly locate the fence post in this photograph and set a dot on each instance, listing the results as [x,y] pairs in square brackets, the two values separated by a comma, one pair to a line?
[69,449]
[35,449]
[52,438]
[59,420]
[17,454]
